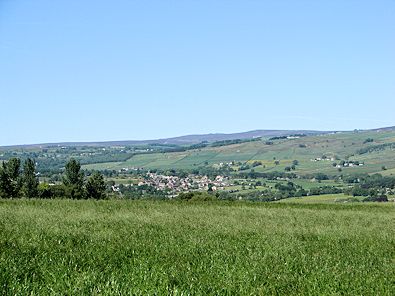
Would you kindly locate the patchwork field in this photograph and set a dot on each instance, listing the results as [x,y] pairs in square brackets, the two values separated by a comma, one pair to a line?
[73,247]
[341,146]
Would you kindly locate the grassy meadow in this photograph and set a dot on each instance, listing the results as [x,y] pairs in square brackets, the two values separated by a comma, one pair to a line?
[69,247]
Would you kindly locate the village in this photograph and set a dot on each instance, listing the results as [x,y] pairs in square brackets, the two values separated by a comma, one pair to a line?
[178,184]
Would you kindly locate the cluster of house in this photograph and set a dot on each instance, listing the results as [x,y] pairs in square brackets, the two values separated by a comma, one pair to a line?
[123,170]
[342,163]
[223,164]
[178,184]
[349,164]
[321,159]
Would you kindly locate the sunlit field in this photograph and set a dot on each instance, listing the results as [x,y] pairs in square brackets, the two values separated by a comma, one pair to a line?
[72,247]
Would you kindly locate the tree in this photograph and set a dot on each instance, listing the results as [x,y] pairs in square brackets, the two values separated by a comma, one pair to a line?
[95,187]
[74,179]
[29,179]
[10,180]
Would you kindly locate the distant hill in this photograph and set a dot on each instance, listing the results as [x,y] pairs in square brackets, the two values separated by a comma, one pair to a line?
[193,139]
[384,129]
[185,140]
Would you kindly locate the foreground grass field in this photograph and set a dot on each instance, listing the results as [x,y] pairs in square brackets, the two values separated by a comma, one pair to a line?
[70,247]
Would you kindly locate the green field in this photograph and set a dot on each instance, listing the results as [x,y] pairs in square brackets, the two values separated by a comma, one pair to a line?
[69,247]
[324,198]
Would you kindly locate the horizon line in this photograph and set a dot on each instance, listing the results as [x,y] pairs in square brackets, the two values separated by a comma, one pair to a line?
[188,135]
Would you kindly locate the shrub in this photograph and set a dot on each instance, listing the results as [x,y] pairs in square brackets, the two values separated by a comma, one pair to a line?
[381,198]
[196,196]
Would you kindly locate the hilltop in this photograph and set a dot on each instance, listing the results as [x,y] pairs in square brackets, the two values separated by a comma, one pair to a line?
[193,138]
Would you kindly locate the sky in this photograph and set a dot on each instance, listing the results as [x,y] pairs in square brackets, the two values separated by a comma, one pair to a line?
[96,70]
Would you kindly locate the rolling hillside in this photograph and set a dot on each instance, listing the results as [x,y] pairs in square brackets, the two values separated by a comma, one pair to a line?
[315,153]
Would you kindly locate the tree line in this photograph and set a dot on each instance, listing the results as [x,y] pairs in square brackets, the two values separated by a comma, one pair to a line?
[21,180]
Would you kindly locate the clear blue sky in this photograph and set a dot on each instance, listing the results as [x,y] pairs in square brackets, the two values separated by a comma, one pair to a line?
[115,70]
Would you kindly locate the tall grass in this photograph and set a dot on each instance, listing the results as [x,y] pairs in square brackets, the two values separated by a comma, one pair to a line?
[70,247]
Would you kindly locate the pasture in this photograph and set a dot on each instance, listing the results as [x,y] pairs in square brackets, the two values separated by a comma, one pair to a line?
[119,247]
[324,198]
